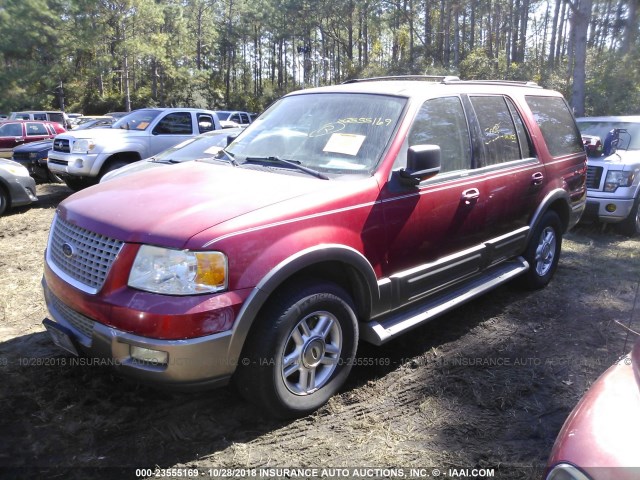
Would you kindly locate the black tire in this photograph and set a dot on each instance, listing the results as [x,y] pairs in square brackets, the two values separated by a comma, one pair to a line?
[630,226]
[301,351]
[113,165]
[4,200]
[77,184]
[52,177]
[543,252]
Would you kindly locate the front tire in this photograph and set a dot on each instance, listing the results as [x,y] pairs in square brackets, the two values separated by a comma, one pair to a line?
[630,226]
[76,184]
[4,201]
[301,352]
[543,252]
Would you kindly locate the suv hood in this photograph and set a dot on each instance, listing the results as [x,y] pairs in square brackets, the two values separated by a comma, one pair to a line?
[35,146]
[167,206]
[100,133]
[621,157]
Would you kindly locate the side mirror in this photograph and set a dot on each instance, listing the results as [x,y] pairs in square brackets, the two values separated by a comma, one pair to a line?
[423,161]
[611,142]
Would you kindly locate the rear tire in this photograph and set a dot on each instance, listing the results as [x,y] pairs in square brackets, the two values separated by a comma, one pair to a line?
[543,252]
[630,226]
[301,352]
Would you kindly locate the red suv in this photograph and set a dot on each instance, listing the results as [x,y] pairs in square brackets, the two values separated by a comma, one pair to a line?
[344,213]
[18,132]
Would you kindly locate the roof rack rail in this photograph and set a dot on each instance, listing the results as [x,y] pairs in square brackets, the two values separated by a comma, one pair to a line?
[432,78]
[522,83]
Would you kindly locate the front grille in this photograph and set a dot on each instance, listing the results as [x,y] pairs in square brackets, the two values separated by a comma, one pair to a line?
[20,156]
[58,162]
[82,255]
[61,145]
[594,175]
[81,323]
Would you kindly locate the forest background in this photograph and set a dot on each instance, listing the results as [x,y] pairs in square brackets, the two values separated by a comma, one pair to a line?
[94,56]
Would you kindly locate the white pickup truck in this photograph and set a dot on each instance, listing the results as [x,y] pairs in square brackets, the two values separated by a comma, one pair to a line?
[613,174]
[82,157]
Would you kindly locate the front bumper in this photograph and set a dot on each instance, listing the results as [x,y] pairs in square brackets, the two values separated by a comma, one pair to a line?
[608,210]
[200,362]
[38,168]
[74,164]
[22,191]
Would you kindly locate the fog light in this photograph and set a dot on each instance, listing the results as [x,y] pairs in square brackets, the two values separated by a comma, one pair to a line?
[147,355]
[610,208]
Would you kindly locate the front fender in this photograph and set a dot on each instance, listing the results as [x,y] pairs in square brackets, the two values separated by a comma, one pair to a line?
[285,270]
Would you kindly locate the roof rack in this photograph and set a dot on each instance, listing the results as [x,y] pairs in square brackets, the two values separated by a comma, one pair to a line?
[501,82]
[431,78]
[445,79]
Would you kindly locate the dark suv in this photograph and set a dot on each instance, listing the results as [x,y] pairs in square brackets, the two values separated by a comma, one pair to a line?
[344,213]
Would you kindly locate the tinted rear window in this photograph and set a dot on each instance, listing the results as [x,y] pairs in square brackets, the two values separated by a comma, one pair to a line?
[557,125]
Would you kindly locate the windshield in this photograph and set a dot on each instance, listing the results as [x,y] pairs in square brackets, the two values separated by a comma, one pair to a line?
[138,120]
[222,115]
[339,133]
[629,140]
[207,145]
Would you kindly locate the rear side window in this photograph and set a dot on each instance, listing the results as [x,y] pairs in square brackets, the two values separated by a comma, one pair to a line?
[557,125]
[442,122]
[34,129]
[499,132]
[178,123]
[57,117]
[11,130]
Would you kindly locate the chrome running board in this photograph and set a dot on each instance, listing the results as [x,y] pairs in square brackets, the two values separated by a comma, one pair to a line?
[385,328]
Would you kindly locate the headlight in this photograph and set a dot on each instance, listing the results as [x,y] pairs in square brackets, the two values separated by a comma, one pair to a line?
[82,146]
[564,471]
[18,170]
[178,272]
[617,179]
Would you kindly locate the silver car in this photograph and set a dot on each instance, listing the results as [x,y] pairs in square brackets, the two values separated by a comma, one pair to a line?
[16,185]
[202,146]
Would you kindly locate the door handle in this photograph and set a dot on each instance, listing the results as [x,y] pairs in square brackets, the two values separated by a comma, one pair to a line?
[470,196]
[537,178]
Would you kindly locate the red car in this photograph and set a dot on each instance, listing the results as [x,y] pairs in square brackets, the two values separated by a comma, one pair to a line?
[18,132]
[599,439]
[345,213]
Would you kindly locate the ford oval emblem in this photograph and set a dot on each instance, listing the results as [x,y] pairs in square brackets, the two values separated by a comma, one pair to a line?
[68,250]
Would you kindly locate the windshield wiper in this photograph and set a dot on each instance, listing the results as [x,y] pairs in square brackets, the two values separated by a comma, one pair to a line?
[290,163]
[229,155]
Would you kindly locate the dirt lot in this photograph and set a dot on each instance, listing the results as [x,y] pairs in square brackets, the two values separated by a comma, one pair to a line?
[486,386]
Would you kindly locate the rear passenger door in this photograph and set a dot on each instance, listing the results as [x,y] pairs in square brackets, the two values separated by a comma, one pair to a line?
[434,228]
[173,128]
[514,176]
[36,131]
